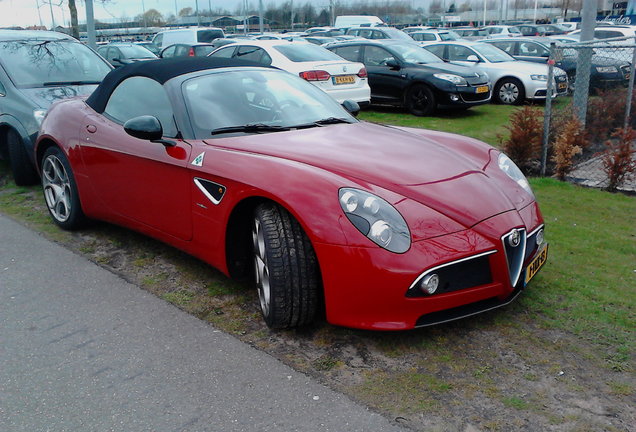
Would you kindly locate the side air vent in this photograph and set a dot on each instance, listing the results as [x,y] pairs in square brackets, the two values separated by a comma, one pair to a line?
[213,191]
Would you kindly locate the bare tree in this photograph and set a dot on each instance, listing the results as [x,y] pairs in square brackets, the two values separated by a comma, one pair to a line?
[186,11]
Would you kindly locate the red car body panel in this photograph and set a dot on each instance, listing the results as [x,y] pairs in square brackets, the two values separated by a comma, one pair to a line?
[449,189]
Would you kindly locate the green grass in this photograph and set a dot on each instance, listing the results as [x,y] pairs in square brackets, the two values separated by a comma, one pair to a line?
[587,285]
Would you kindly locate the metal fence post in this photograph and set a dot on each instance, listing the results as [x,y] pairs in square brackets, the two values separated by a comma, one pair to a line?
[630,91]
[547,113]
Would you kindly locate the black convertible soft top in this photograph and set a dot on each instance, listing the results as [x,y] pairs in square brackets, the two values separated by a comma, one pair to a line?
[160,70]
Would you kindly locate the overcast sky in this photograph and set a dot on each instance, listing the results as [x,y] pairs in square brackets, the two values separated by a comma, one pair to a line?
[25,12]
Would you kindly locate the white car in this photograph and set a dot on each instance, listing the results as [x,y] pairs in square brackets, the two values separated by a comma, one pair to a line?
[339,78]
[434,35]
[502,31]
[514,80]
[190,35]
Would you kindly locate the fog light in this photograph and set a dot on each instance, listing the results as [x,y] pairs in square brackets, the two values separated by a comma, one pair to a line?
[454,97]
[430,283]
[540,237]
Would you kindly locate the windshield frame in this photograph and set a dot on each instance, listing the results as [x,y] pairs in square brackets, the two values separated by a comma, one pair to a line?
[399,53]
[481,48]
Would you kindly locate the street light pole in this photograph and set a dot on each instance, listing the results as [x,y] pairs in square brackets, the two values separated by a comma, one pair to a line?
[90,24]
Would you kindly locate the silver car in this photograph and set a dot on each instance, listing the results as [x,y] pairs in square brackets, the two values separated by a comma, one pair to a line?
[514,80]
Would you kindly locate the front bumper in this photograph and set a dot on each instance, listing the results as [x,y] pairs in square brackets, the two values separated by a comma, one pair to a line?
[368,287]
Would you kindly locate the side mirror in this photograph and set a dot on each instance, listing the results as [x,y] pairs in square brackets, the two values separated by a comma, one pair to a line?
[472,58]
[393,64]
[144,127]
[352,107]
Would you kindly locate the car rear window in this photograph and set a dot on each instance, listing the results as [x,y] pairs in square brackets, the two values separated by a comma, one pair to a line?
[35,62]
[209,35]
[306,52]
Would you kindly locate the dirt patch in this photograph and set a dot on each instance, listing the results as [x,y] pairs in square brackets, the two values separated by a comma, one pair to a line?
[500,371]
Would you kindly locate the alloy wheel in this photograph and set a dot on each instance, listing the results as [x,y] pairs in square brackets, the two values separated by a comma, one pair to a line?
[260,267]
[57,188]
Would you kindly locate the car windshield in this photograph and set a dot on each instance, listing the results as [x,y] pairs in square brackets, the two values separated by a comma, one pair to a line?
[303,52]
[514,30]
[450,35]
[135,51]
[412,53]
[394,33]
[492,53]
[262,100]
[33,63]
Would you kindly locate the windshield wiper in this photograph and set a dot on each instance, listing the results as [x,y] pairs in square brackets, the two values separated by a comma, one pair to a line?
[254,127]
[322,122]
[63,83]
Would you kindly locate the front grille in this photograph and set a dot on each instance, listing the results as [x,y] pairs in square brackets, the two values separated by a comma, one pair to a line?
[465,273]
[515,254]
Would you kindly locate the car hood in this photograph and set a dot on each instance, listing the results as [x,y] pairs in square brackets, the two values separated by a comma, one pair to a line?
[442,67]
[447,177]
[521,66]
[43,97]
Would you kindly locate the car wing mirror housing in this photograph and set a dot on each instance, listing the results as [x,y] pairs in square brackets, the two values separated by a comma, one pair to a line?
[352,107]
[148,128]
[472,58]
[393,64]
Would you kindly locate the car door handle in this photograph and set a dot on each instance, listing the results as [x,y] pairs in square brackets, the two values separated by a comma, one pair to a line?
[91,128]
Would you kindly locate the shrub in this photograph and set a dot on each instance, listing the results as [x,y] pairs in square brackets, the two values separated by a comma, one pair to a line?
[524,144]
[568,143]
[619,160]
[605,113]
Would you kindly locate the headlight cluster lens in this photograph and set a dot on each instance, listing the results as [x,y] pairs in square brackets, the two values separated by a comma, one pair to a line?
[376,219]
[508,166]
[539,77]
[455,79]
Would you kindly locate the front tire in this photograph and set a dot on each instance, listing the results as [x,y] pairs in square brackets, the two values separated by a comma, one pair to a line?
[419,100]
[60,190]
[24,174]
[286,268]
[510,91]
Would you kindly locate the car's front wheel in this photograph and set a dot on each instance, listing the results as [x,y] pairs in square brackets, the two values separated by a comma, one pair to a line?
[419,100]
[285,267]
[510,91]
[60,190]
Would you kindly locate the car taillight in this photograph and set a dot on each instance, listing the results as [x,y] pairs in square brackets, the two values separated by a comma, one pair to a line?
[363,73]
[315,75]
[191,53]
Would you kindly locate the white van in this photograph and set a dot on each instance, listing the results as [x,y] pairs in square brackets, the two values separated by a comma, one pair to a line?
[191,35]
[357,20]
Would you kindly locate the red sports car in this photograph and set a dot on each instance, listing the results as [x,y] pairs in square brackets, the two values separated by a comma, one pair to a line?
[263,175]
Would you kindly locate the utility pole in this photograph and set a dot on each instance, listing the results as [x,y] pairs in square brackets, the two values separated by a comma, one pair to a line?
[485,5]
[196,5]
[90,24]
[536,5]
[260,16]
[143,13]
[333,12]
[582,84]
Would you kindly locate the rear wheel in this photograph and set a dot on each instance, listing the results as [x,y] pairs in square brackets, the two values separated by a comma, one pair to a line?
[285,267]
[510,91]
[60,190]
[24,173]
[419,100]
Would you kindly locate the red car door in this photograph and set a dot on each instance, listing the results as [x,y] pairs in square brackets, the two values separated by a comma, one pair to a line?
[140,180]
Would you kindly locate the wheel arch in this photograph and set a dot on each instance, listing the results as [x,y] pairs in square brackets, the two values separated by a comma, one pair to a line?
[42,146]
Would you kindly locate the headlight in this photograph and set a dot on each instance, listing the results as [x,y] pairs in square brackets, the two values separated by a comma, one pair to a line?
[38,115]
[508,166]
[539,77]
[455,79]
[606,69]
[376,219]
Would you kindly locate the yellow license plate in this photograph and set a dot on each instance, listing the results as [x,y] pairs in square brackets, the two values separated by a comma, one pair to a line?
[344,79]
[482,89]
[537,263]
[562,85]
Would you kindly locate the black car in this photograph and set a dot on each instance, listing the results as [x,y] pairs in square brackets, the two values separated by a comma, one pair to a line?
[121,53]
[38,68]
[407,75]
[605,72]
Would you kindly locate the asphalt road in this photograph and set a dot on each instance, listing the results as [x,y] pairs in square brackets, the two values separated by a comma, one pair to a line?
[83,350]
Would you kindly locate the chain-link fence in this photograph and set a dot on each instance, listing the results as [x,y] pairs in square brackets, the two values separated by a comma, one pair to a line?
[585,138]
